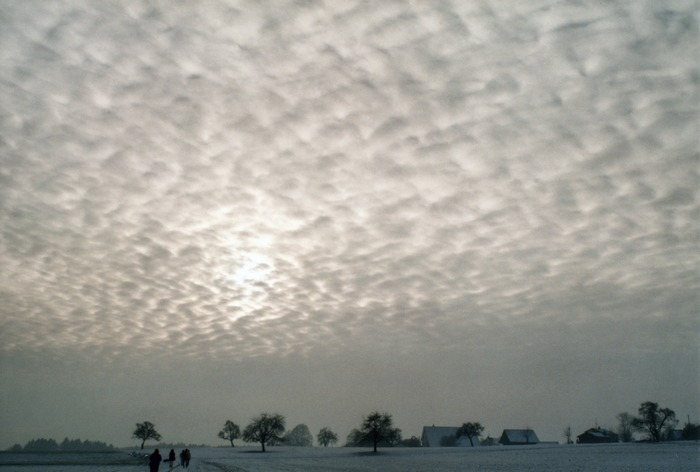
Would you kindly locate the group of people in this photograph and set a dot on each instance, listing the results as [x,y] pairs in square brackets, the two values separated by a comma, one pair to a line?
[155,459]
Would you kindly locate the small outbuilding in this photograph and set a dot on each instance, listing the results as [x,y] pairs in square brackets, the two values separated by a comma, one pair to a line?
[597,436]
[518,437]
[444,436]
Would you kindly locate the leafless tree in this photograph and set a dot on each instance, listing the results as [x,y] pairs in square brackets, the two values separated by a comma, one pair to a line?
[652,420]
[145,431]
[567,435]
[230,432]
[326,437]
[624,426]
[264,428]
[299,436]
[470,431]
[378,427]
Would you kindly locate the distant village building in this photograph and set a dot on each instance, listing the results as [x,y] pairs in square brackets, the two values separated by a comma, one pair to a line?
[444,436]
[518,437]
[596,436]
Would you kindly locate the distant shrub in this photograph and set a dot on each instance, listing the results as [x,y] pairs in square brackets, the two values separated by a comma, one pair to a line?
[412,442]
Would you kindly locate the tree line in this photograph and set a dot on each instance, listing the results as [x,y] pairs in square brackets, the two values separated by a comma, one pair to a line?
[377,430]
[269,429]
[656,423]
[67,445]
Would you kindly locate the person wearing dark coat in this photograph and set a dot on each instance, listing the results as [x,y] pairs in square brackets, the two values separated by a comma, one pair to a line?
[154,461]
[171,457]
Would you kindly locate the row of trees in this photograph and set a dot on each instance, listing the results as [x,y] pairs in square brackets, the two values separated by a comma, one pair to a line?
[377,430]
[657,424]
[269,429]
[265,429]
[67,445]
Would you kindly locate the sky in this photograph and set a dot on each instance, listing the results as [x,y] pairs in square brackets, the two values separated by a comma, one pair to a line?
[449,211]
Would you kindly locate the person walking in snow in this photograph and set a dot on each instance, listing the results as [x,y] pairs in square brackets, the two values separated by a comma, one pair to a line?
[154,461]
[182,458]
[188,456]
[171,458]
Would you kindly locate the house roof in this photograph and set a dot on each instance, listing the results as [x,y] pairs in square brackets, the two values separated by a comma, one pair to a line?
[523,436]
[598,433]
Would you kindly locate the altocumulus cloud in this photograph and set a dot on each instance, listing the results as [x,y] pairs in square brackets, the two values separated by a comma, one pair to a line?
[236,180]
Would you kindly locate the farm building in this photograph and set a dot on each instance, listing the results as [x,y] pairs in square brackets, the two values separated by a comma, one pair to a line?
[513,437]
[444,436]
[597,435]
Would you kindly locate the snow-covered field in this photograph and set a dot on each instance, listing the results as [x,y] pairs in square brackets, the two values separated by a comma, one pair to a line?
[680,456]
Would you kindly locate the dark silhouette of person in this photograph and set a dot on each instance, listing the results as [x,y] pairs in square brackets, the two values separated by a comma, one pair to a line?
[171,457]
[188,456]
[154,460]
[182,458]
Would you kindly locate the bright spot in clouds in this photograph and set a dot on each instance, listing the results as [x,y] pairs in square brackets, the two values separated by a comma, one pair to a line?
[251,269]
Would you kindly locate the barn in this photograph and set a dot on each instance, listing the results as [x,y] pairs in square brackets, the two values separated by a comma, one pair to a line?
[597,435]
[514,437]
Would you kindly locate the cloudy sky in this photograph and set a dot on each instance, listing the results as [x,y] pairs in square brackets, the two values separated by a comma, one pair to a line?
[448,210]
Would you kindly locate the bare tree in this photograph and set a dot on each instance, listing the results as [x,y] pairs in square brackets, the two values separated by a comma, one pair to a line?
[299,436]
[326,437]
[567,435]
[652,420]
[377,427]
[624,426]
[230,432]
[470,431]
[355,438]
[264,428]
[145,431]
[394,437]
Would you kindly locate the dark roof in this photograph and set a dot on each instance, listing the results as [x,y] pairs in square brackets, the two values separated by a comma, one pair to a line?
[519,436]
[597,435]
[598,432]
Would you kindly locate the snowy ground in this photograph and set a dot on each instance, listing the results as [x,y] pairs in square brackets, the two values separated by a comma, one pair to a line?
[681,456]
